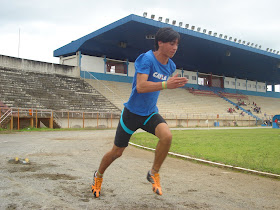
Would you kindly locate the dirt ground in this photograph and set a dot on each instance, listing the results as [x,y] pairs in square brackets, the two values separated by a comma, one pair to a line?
[62,163]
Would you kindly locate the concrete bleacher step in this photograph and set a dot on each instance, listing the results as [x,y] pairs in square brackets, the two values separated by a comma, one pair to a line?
[50,91]
[178,101]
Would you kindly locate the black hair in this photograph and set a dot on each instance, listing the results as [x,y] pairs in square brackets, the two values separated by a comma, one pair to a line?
[166,34]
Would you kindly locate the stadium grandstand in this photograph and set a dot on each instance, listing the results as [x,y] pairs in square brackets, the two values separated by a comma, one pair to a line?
[227,86]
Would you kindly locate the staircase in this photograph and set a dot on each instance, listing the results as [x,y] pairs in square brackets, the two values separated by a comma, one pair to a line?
[244,110]
[46,122]
[5,118]
[5,122]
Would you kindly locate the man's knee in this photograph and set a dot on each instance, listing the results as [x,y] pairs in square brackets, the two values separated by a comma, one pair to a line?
[163,133]
[117,152]
[166,138]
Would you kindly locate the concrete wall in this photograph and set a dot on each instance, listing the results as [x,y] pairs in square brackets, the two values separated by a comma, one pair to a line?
[107,77]
[241,84]
[261,87]
[38,66]
[89,123]
[191,76]
[92,64]
[177,71]
[113,122]
[131,69]
[172,122]
[229,82]
[251,85]
[69,61]
[191,123]
[96,65]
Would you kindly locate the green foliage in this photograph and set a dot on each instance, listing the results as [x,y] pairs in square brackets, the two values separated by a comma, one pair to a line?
[257,149]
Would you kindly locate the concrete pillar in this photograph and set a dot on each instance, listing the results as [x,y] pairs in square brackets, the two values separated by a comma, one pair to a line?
[31,122]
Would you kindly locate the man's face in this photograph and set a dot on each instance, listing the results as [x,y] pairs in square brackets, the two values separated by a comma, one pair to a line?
[168,48]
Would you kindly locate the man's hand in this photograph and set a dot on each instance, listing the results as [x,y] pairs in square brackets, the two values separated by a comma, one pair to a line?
[176,82]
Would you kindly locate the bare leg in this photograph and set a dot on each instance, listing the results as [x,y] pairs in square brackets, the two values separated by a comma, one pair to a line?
[108,158]
[165,138]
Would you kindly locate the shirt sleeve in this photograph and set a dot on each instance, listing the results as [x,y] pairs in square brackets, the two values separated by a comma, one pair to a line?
[142,65]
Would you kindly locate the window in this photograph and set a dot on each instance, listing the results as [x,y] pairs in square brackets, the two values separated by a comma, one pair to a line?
[259,87]
[244,84]
[232,83]
[264,87]
[227,82]
[238,84]
[193,77]
[116,67]
[255,86]
[249,85]
[187,76]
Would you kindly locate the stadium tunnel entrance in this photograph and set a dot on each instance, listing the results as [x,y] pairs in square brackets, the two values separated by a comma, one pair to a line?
[210,80]
[276,121]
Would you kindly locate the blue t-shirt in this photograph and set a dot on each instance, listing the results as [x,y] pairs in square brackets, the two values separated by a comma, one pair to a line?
[144,104]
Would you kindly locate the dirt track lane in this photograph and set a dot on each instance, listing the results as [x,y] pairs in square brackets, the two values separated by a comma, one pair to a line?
[62,164]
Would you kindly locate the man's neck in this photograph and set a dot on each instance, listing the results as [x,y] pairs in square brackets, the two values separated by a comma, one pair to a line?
[163,59]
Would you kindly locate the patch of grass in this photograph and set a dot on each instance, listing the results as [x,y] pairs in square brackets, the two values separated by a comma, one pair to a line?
[257,149]
[4,131]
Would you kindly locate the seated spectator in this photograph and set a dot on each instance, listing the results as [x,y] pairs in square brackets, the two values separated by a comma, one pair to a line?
[267,122]
[242,103]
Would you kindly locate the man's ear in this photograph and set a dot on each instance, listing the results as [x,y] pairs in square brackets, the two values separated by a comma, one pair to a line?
[160,43]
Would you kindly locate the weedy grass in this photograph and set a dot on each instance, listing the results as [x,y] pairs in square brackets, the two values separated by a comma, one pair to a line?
[257,149]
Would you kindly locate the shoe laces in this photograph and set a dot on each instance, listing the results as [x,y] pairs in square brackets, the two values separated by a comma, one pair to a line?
[157,179]
[98,182]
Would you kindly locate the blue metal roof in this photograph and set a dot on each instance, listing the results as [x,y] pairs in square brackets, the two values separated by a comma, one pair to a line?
[197,51]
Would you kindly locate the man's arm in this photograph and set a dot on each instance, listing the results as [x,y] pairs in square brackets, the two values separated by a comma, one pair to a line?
[144,86]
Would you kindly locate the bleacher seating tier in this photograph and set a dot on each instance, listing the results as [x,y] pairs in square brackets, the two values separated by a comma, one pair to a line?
[50,91]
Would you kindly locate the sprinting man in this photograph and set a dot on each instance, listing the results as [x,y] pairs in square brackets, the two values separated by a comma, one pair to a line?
[152,70]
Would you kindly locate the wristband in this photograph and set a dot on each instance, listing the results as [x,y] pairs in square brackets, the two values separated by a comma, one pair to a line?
[164,85]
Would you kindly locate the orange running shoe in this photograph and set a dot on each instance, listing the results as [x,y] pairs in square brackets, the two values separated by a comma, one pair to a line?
[96,185]
[155,180]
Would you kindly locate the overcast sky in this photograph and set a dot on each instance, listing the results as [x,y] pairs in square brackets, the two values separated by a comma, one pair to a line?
[47,25]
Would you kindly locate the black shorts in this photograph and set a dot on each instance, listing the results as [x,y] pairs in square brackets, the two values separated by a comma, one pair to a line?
[130,122]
